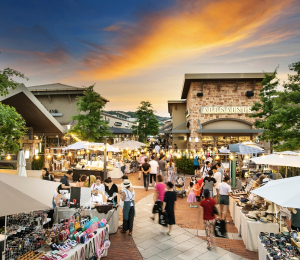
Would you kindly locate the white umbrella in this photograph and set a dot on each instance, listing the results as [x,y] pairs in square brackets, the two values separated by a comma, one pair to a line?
[224,150]
[278,160]
[129,145]
[21,164]
[287,153]
[284,192]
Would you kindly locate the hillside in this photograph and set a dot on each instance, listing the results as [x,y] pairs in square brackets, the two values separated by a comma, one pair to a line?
[132,114]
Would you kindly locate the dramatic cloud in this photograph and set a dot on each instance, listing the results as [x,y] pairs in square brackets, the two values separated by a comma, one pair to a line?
[192,28]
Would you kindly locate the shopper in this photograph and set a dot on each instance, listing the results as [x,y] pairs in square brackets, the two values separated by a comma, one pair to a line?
[81,181]
[197,189]
[98,187]
[208,216]
[204,170]
[163,166]
[154,169]
[159,194]
[224,189]
[134,164]
[65,181]
[171,171]
[218,178]
[196,165]
[128,209]
[209,183]
[169,205]
[92,180]
[141,161]
[220,169]
[146,168]
[46,175]
[295,224]
[192,197]
[111,190]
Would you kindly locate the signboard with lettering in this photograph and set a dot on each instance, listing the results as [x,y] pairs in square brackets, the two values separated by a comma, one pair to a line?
[226,110]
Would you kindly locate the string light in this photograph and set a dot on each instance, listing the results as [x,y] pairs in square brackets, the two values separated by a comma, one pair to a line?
[36,157]
[59,155]
[231,157]
[217,157]
[87,151]
[70,154]
[78,153]
[153,151]
[49,156]
[8,157]
[247,157]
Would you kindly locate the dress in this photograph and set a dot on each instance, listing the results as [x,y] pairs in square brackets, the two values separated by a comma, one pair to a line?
[170,198]
[192,197]
[171,173]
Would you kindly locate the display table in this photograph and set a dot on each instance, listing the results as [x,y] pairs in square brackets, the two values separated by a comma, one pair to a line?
[61,213]
[249,230]
[77,173]
[116,173]
[262,251]
[231,207]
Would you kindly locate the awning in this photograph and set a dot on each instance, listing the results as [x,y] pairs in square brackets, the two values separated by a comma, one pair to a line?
[230,131]
[116,130]
[34,113]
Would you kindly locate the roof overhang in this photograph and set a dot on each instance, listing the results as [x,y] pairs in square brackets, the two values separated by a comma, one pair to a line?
[229,131]
[34,113]
[180,101]
[197,77]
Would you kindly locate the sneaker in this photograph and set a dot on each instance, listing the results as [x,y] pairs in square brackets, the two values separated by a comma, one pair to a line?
[191,206]
[150,184]
[209,248]
[195,206]
[169,234]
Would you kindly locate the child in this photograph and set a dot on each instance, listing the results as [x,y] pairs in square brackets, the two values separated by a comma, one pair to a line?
[197,190]
[191,198]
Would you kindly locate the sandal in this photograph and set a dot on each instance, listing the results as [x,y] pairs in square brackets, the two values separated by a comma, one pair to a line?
[123,232]
[129,234]
[152,218]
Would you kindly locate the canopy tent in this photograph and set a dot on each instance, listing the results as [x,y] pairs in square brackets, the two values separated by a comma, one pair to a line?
[129,145]
[284,192]
[242,148]
[82,145]
[224,150]
[287,153]
[255,145]
[21,164]
[278,160]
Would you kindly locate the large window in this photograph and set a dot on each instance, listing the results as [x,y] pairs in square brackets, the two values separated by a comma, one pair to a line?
[219,141]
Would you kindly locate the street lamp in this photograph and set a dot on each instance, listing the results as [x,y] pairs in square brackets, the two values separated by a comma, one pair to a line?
[137,129]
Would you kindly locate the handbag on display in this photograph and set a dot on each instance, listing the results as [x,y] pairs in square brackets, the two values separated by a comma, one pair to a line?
[77,225]
[90,251]
[72,228]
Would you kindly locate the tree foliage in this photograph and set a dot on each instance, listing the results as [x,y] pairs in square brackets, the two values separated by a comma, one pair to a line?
[90,124]
[12,124]
[278,112]
[184,165]
[147,122]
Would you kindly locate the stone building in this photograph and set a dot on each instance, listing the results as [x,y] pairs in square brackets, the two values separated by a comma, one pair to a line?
[213,110]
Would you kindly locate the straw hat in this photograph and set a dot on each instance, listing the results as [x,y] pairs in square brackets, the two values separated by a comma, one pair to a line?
[126,183]
[252,214]
[270,217]
[271,209]
[263,220]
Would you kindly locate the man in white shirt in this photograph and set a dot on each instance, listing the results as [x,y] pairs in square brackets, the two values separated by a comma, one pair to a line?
[204,170]
[220,169]
[225,190]
[218,178]
[157,148]
[154,169]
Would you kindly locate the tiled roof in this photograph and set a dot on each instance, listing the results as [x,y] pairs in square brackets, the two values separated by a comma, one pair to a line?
[53,87]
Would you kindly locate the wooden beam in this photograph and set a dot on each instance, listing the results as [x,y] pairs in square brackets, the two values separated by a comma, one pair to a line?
[219,86]
[254,83]
[236,85]
[49,99]
[70,99]
[202,86]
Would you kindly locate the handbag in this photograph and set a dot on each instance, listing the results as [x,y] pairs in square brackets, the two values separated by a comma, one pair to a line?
[163,218]
[77,224]
[72,228]
[90,253]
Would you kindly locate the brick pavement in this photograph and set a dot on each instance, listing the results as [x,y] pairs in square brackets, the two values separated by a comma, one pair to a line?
[186,217]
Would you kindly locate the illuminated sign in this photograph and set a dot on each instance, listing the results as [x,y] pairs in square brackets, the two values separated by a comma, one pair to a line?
[226,110]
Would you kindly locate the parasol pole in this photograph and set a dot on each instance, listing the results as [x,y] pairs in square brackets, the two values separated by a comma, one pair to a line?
[285,171]
[3,254]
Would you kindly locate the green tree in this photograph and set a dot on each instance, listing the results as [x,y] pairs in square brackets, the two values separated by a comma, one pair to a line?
[265,110]
[147,122]
[90,124]
[288,111]
[13,126]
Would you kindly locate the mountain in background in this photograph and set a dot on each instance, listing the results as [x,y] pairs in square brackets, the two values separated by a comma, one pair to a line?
[132,114]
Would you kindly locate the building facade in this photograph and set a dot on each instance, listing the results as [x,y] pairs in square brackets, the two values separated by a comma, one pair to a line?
[214,110]
[60,100]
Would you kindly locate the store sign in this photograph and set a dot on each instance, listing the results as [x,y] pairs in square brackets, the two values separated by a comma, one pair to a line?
[226,110]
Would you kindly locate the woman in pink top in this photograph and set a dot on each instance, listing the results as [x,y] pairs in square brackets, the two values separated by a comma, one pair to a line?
[159,194]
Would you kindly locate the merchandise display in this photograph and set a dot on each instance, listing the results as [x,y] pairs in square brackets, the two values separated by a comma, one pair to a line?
[279,246]
[26,238]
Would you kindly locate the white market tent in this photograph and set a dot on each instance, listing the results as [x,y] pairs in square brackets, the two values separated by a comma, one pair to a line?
[21,164]
[287,153]
[278,160]
[81,145]
[129,145]
[284,192]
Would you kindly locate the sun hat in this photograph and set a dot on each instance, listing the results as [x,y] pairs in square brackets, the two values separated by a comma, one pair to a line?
[126,183]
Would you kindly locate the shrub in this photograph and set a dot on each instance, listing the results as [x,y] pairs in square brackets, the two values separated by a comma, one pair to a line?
[184,165]
[38,164]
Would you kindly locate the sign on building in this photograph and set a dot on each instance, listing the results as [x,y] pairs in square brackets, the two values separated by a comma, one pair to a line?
[226,110]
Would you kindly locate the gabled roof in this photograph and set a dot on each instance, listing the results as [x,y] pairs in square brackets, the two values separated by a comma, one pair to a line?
[34,113]
[53,87]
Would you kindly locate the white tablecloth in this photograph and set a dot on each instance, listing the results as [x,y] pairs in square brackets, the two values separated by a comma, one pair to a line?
[113,216]
[251,229]
[231,207]
[262,252]
[116,173]
[237,218]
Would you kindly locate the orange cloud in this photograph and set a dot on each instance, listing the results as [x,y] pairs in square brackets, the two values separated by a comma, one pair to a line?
[189,30]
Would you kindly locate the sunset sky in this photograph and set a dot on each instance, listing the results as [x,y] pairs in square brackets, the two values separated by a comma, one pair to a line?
[138,50]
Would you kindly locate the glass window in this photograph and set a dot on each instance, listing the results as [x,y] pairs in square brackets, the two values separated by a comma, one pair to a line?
[220,141]
[244,139]
[207,141]
[232,139]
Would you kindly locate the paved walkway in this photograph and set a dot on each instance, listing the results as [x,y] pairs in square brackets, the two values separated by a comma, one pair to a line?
[153,242]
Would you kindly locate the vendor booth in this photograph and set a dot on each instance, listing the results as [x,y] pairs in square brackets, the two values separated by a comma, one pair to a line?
[29,232]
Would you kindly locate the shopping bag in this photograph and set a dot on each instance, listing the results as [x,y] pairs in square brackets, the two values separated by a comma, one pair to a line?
[121,203]
[220,228]
[163,218]
[156,207]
